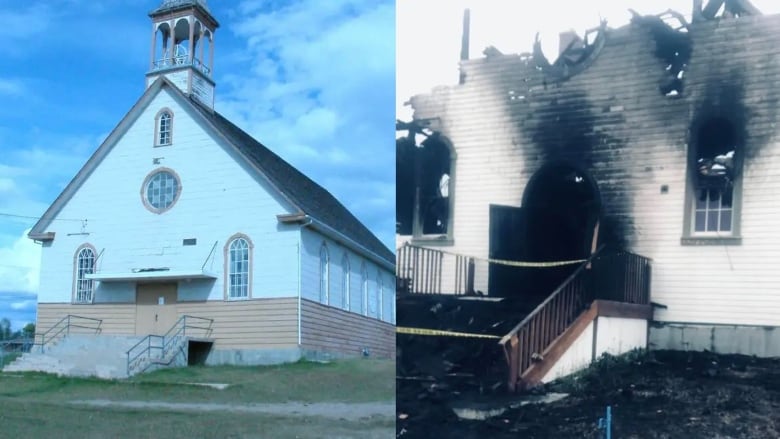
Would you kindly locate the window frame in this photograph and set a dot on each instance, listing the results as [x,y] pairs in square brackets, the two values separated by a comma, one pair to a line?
[229,265]
[147,203]
[77,275]
[345,282]
[158,129]
[364,289]
[418,236]
[692,187]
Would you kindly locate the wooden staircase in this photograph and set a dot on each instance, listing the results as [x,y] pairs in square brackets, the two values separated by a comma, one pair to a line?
[608,284]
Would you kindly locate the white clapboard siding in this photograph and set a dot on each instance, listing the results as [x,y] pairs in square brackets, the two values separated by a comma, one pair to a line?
[219,198]
[310,277]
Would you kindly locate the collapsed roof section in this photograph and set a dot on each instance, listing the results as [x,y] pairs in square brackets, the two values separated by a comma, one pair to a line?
[669,30]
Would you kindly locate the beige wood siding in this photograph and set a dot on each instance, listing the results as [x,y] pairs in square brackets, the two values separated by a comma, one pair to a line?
[244,324]
[249,324]
[118,318]
[329,329]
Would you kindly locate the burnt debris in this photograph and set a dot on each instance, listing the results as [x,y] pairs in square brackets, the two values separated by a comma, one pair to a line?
[727,8]
[672,46]
[575,54]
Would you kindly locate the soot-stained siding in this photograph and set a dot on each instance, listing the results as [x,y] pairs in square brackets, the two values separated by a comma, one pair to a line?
[613,119]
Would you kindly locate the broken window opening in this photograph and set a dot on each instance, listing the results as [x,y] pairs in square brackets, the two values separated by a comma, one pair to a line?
[715,172]
[672,46]
[424,183]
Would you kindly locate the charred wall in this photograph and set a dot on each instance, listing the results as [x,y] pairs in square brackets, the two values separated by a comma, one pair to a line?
[510,118]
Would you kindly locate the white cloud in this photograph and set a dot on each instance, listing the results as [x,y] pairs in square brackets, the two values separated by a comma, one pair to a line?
[20,266]
[318,90]
[6,185]
[24,305]
[12,87]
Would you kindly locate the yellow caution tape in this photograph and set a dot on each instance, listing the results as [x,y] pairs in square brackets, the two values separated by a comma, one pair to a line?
[534,264]
[512,263]
[440,333]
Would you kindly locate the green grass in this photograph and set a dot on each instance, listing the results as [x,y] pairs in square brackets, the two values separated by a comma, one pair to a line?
[360,380]
[44,420]
[8,358]
[36,405]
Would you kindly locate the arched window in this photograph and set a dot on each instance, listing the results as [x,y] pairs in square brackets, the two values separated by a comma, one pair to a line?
[164,128]
[84,265]
[425,167]
[324,269]
[380,288]
[345,281]
[239,254]
[364,289]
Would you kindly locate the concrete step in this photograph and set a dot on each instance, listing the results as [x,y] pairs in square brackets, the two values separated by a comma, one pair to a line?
[80,355]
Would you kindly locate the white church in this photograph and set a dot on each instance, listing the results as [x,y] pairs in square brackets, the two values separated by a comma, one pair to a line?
[198,239]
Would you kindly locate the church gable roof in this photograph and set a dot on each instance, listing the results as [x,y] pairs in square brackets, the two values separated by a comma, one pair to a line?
[302,191]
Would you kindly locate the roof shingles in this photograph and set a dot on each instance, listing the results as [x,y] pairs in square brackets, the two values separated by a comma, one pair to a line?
[312,198]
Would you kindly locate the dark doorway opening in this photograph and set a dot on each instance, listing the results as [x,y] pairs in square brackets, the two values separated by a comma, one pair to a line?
[198,352]
[557,222]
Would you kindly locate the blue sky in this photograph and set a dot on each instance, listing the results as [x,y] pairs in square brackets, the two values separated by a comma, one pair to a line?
[312,80]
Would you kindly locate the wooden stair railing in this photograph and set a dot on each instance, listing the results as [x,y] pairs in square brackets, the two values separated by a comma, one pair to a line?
[614,276]
[420,270]
[525,342]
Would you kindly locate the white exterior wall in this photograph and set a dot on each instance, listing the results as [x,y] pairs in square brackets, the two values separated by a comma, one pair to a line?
[310,277]
[707,284]
[487,170]
[218,198]
[613,335]
[178,78]
[578,356]
[734,284]
[616,335]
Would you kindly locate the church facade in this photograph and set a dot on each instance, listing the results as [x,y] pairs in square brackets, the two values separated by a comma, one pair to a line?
[182,213]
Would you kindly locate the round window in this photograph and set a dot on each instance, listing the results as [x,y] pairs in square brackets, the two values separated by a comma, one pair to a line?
[161,190]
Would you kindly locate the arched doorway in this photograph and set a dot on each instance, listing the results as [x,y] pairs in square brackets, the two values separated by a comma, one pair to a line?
[563,205]
[557,221]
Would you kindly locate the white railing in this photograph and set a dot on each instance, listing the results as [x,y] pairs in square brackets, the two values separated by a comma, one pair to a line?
[181,60]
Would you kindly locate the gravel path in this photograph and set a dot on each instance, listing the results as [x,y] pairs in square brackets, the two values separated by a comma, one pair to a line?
[334,410]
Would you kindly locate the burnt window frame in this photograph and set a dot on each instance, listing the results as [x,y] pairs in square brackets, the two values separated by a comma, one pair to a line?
[690,235]
[418,236]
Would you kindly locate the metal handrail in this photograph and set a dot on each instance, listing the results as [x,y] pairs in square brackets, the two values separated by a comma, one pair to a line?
[177,331]
[66,328]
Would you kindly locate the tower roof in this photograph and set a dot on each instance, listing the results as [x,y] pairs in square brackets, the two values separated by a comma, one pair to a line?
[169,6]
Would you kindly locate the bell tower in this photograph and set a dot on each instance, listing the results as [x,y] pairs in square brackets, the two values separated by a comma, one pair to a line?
[183,47]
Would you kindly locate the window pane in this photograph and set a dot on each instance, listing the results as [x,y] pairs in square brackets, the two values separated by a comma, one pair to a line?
[712,221]
[700,219]
[701,200]
[714,201]
[727,197]
[725,220]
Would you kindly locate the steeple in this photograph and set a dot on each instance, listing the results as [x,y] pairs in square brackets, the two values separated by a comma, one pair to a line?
[183,47]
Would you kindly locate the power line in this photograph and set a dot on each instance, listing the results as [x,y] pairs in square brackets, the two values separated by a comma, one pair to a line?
[11,215]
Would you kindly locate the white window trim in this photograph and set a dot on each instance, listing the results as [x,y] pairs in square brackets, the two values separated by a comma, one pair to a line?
[228,257]
[78,281]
